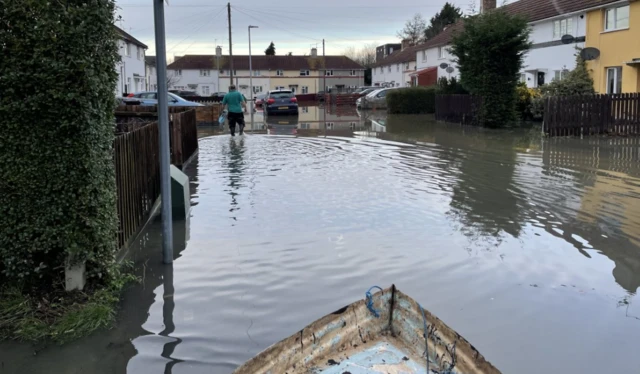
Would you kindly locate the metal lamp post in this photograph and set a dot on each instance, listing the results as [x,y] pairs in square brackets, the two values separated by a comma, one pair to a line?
[251,75]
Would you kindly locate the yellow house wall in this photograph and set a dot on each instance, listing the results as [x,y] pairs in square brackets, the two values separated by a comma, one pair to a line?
[616,48]
[292,77]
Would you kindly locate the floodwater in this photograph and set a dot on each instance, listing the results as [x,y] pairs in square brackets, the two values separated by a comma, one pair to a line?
[529,248]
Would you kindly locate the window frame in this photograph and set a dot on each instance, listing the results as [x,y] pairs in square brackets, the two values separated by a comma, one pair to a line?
[178,73]
[424,55]
[559,25]
[617,80]
[304,73]
[615,9]
[304,90]
[279,73]
[205,73]
[442,52]
[127,49]
[328,73]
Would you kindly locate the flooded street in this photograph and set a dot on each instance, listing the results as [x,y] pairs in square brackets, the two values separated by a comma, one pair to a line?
[529,248]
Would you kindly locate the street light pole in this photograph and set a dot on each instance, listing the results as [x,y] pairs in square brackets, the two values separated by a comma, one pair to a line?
[251,75]
[163,128]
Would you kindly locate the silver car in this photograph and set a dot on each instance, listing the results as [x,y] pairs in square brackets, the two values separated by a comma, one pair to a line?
[375,99]
[151,98]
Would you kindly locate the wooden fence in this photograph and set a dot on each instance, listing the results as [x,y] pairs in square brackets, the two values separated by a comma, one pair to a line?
[598,114]
[341,99]
[462,109]
[137,161]
[137,164]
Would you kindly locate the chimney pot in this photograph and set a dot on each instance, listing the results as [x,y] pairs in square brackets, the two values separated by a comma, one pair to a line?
[487,5]
[314,52]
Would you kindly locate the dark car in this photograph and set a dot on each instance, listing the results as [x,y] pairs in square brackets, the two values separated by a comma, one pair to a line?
[320,96]
[281,102]
[185,94]
[260,99]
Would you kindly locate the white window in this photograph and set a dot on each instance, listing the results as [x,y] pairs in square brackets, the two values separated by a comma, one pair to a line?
[353,73]
[256,73]
[305,89]
[279,73]
[139,52]
[304,73]
[304,126]
[389,68]
[352,125]
[406,67]
[235,72]
[424,55]
[221,72]
[614,80]
[617,18]
[523,78]
[397,67]
[560,74]
[562,27]
[305,109]
[206,91]
[178,73]
[127,49]
[279,88]
[205,73]
[330,125]
[442,52]
[328,73]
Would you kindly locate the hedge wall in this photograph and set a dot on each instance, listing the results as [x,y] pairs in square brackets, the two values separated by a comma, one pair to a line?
[57,79]
[414,100]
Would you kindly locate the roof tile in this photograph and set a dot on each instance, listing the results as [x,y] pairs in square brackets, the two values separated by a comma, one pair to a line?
[262,62]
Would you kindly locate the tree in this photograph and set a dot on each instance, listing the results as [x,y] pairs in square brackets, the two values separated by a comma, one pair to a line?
[271,50]
[447,16]
[58,198]
[413,29]
[290,54]
[576,82]
[492,73]
[172,80]
[365,56]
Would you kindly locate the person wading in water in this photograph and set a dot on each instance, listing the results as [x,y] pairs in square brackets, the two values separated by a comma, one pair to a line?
[236,104]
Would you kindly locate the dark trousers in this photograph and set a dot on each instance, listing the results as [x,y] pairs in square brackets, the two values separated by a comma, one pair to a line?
[235,118]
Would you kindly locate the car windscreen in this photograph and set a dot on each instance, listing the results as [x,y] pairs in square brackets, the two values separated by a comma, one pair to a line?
[281,95]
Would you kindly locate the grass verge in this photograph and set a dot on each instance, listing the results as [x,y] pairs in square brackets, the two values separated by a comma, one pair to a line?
[60,316]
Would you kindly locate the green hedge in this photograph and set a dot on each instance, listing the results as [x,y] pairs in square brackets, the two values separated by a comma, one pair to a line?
[414,100]
[57,197]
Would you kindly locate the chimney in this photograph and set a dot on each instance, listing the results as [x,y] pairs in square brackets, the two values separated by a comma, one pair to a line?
[314,52]
[405,44]
[487,5]
[218,51]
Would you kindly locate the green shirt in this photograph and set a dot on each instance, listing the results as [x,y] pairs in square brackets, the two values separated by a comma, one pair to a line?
[234,99]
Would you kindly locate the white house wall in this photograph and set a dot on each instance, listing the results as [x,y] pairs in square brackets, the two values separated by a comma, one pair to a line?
[191,80]
[433,59]
[397,75]
[131,70]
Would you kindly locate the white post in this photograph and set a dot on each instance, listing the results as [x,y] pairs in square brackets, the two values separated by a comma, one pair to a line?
[251,103]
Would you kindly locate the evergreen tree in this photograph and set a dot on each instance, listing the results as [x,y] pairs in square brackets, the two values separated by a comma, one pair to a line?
[447,16]
[271,50]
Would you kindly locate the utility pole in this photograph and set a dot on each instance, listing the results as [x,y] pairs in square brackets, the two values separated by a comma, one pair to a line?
[324,64]
[163,128]
[230,46]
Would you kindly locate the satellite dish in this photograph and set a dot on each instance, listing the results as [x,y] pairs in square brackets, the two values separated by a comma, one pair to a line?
[450,70]
[590,53]
[444,65]
[568,39]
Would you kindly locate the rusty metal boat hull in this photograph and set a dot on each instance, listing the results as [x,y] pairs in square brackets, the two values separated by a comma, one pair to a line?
[381,334]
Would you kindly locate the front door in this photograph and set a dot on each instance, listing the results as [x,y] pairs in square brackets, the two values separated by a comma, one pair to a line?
[293,89]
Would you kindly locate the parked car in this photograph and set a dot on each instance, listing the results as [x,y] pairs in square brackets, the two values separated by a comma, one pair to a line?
[185,94]
[367,91]
[361,89]
[320,96]
[281,102]
[260,100]
[375,99]
[151,98]
[127,101]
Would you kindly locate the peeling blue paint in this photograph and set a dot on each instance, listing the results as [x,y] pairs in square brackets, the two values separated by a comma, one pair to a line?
[381,356]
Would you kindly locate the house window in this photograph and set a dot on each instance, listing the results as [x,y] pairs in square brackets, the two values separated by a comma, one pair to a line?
[206,91]
[424,55]
[279,88]
[205,73]
[304,73]
[279,73]
[305,89]
[389,68]
[304,126]
[442,52]
[127,49]
[178,73]
[397,67]
[305,109]
[614,80]
[523,78]
[221,72]
[352,73]
[257,89]
[560,74]
[617,18]
[562,27]
[329,73]
[256,73]
[381,71]
[330,125]
[139,52]
[406,67]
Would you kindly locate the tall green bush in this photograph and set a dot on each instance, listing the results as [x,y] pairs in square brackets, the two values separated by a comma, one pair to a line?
[414,100]
[577,82]
[57,84]
[451,86]
[489,52]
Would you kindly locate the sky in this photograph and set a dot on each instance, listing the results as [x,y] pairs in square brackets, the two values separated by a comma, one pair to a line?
[197,26]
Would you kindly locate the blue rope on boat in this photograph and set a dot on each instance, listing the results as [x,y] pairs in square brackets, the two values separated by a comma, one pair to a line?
[370,301]
[426,336]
